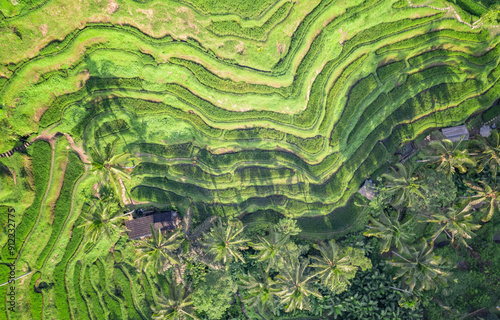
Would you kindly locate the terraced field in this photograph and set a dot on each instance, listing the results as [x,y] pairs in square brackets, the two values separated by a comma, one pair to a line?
[266,107]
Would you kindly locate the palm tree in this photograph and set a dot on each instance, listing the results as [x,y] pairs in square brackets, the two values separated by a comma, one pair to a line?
[420,269]
[448,156]
[390,231]
[456,223]
[487,194]
[269,248]
[224,243]
[260,290]
[402,185]
[175,305]
[489,153]
[337,265]
[294,287]
[107,166]
[103,219]
[159,249]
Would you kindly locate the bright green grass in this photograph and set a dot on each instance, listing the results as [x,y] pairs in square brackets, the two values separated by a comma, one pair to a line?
[256,109]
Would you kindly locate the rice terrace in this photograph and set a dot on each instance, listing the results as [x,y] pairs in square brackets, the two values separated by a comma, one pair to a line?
[236,159]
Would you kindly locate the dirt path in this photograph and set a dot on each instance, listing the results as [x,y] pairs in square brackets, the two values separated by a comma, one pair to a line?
[450,8]
[14,176]
[79,150]
[124,192]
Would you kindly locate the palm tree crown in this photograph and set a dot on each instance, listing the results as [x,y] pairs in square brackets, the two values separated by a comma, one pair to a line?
[269,247]
[420,269]
[175,305]
[489,153]
[107,165]
[337,265]
[159,248]
[485,194]
[103,219]
[294,287]
[448,156]
[402,185]
[456,223]
[390,231]
[260,290]
[224,242]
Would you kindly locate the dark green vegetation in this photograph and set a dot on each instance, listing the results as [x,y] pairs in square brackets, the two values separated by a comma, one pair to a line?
[254,112]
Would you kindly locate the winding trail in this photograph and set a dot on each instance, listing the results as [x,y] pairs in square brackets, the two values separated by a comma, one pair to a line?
[79,150]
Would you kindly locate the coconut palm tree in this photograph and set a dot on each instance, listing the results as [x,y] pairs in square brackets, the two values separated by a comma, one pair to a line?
[259,290]
[448,156]
[390,231]
[269,247]
[485,194]
[159,249]
[294,286]
[403,185]
[489,153]
[419,268]
[225,243]
[107,166]
[103,219]
[337,265]
[175,305]
[456,223]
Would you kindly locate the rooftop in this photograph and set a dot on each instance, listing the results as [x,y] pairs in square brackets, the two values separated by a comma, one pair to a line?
[456,133]
[368,190]
[163,221]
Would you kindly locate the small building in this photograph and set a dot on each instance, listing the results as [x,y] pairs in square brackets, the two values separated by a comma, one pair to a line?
[163,221]
[455,133]
[368,190]
[485,131]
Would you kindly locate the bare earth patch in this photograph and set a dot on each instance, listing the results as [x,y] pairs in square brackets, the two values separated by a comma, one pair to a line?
[112,6]
[44,28]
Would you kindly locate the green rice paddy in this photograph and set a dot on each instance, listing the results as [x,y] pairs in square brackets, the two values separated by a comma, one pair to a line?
[254,109]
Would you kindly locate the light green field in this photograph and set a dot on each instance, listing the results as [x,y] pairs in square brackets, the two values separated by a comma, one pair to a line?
[255,110]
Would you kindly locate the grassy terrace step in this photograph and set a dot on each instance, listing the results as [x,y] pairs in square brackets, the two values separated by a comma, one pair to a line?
[82,309]
[41,158]
[59,271]
[259,33]
[366,116]
[266,109]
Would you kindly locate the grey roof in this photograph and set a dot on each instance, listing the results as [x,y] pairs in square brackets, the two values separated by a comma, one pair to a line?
[163,221]
[368,190]
[485,131]
[456,133]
